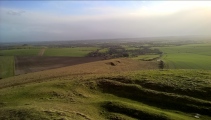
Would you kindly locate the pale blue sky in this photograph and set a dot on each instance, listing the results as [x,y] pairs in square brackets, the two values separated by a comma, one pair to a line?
[71,7]
[71,20]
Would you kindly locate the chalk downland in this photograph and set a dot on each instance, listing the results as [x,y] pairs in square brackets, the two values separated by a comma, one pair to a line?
[114,89]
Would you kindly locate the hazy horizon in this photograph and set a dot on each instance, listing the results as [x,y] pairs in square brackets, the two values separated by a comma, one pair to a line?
[80,20]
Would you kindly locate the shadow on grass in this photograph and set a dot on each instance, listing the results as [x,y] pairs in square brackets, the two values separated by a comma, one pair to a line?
[155,98]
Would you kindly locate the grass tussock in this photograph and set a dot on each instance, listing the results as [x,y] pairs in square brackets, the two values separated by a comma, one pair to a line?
[22,114]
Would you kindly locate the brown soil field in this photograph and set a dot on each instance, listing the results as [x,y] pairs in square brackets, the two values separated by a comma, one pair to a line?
[79,71]
[28,64]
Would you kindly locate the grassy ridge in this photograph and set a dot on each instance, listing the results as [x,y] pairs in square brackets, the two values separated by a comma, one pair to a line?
[6,66]
[73,52]
[193,56]
[141,111]
[150,94]
[99,67]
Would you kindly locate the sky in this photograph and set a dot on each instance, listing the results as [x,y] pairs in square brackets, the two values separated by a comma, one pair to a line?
[81,20]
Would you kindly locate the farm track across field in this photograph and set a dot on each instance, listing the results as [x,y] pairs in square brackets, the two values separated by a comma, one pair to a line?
[42,51]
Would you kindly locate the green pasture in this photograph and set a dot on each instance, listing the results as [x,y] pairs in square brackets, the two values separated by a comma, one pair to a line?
[104,50]
[72,52]
[129,47]
[6,66]
[193,56]
[201,49]
[26,47]
[187,61]
[19,52]
[146,57]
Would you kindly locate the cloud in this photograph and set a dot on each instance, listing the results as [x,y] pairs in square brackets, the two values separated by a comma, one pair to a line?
[111,23]
[12,12]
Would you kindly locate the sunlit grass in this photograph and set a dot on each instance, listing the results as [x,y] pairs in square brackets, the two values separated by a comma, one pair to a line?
[6,66]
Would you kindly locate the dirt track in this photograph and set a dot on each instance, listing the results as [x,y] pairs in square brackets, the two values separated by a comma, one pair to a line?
[41,52]
[27,64]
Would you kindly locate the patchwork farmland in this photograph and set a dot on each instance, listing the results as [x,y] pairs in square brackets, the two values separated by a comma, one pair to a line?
[21,60]
[33,59]
[113,81]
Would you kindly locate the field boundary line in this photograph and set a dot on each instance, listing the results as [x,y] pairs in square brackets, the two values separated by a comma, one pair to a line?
[41,52]
[13,66]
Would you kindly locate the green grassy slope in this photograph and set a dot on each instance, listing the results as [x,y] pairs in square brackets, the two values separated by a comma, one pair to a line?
[193,56]
[149,94]
[6,66]
[187,61]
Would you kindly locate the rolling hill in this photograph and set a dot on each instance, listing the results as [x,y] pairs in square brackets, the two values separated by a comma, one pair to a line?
[115,89]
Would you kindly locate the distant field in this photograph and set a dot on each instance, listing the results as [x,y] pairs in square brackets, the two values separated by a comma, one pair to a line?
[20,52]
[129,47]
[146,57]
[194,56]
[104,50]
[6,66]
[28,64]
[71,52]
[201,49]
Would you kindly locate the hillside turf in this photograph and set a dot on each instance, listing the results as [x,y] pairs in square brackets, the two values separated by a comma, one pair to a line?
[109,92]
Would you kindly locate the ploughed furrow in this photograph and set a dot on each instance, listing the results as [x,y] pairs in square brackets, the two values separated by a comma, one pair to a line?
[155,98]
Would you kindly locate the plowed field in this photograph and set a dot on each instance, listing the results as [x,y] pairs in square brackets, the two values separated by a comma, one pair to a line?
[28,64]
